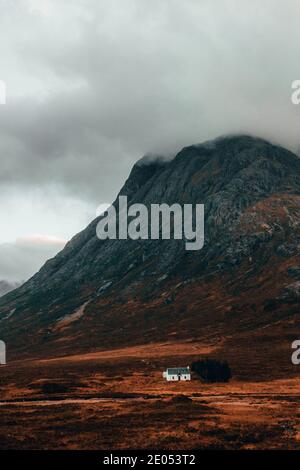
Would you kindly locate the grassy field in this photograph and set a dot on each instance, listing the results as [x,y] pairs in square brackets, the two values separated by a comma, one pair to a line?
[118,400]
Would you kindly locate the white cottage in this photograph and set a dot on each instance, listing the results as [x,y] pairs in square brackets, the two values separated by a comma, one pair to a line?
[177,373]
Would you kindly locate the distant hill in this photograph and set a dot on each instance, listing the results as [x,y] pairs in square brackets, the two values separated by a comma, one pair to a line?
[6,286]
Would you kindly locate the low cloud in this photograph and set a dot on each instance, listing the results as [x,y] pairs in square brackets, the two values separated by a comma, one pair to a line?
[93,86]
[41,240]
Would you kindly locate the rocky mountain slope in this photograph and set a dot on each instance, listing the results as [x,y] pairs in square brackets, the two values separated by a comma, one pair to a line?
[246,279]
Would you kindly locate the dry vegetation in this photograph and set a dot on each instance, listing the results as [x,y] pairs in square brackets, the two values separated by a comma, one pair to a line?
[118,399]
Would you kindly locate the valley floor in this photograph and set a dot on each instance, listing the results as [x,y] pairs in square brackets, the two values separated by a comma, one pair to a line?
[118,400]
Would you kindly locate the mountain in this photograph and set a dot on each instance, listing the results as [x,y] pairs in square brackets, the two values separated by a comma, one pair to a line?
[241,288]
[6,286]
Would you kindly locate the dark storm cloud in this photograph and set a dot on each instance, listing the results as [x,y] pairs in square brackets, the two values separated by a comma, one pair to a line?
[94,85]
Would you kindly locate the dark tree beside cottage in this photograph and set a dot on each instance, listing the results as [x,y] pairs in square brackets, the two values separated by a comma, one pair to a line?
[211,370]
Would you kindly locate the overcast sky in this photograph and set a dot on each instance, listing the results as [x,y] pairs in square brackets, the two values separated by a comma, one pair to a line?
[92,85]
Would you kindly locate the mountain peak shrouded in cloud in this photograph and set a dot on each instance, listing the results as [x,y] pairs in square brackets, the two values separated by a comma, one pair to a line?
[154,158]
[250,190]
[81,109]
[130,77]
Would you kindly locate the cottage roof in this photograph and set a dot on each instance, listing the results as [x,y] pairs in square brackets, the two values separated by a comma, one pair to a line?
[178,370]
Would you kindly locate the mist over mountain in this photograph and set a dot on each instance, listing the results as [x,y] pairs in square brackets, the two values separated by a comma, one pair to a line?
[6,286]
[96,294]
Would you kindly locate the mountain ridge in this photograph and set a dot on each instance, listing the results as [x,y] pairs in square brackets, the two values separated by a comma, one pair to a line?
[96,292]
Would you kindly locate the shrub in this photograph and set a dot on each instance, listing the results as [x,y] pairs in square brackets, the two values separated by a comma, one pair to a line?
[52,387]
[181,399]
[211,370]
